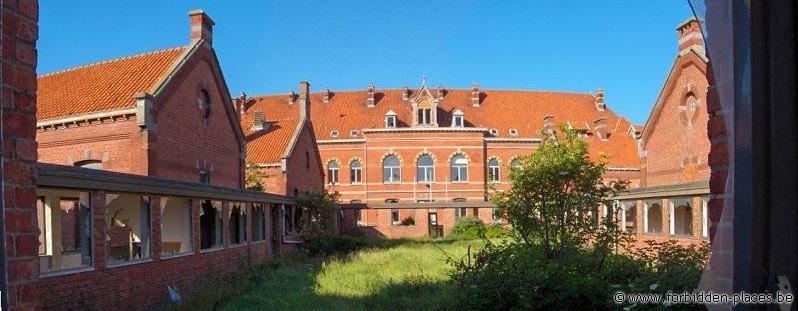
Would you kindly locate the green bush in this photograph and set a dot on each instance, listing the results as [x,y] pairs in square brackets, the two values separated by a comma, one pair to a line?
[468,228]
[516,276]
[496,231]
[325,246]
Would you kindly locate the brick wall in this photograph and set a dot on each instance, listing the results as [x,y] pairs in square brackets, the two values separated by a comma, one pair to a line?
[303,170]
[19,35]
[183,141]
[675,141]
[718,156]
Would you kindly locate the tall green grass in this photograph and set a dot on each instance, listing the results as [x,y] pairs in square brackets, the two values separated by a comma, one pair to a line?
[411,275]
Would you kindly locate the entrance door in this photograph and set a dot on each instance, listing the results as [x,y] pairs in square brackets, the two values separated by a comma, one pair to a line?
[435,230]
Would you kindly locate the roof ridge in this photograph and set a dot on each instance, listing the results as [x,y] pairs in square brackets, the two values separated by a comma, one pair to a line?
[110,61]
[448,89]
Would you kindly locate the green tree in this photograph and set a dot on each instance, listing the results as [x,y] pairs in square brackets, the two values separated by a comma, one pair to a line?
[320,212]
[555,198]
[252,178]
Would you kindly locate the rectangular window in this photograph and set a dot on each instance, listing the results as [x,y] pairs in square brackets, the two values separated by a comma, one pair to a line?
[629,216]
[460,212]
[258,222]
[65,226]
[211,224]
[493,173]
[394,216]
[356,175]
[390,121]
[458,121]
[358,216]
[237,222]
[177,235]
[129,221]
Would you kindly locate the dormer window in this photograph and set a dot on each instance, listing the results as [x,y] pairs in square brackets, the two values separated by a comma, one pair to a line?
[494,132]
[334,133]
[457,119]
[390,119]
[513,132]
[354,133]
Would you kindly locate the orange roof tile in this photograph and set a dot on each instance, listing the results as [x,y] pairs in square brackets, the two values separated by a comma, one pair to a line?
[103,86]
[500,109]
[268,145]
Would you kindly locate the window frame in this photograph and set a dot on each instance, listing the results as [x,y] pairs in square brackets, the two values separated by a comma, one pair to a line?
[390,121]
[355,172]
[494,171]
[459,169]
[458,121]
[427,171]
[333,177]
[392,170]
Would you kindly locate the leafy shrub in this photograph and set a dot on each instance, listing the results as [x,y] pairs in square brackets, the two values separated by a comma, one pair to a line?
[468,228]
[515,276]
[496,231]
[324,246]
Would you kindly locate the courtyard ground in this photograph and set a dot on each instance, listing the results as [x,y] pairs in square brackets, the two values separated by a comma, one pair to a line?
[410,275]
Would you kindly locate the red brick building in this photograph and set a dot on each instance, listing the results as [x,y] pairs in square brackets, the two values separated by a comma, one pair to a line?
[674,149]
[408,162]
[282,153]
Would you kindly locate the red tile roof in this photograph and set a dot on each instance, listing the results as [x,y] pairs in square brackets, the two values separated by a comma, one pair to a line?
[269,145]
[500,109]
[103,86]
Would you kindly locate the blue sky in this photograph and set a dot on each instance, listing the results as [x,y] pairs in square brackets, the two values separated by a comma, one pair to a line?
[266,47]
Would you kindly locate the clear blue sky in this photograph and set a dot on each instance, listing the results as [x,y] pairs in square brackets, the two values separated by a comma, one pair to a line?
[625,47]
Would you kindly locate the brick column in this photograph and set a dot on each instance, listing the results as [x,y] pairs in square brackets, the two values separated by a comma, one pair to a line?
[98,209]
[226,224]
[18,97]
[196,205]
[155,230]
[718,155]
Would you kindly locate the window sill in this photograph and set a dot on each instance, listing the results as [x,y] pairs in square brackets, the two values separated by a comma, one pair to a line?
[258,242]
[402,226]
[63,272]
[460,182]
[128,263]
[238,244]
[391,182]
[176,255]
[211,250]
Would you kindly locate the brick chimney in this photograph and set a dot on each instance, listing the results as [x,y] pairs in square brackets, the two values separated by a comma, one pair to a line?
[326,98]
[599,96]
[405,93]
[600,128]
[304,100]
[440,92]
[241,103]
[291,97]
[201,26]
[475,95]
[370,99]
[690,36]
[548,124]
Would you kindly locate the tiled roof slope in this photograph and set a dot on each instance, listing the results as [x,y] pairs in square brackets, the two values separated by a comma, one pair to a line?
[499,109]
[268,146]
[103,86]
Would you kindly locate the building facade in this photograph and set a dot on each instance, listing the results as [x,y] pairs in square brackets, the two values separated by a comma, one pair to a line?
[409,162]
[673,200]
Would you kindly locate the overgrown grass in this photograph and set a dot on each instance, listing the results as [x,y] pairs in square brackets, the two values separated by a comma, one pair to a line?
[408,275]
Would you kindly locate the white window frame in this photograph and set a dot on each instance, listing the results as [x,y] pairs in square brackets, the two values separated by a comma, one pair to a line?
[427,171]
[391,170]
[494,171]
[390,121]
[458,121]
[355,173]
[459,169]
[333,176]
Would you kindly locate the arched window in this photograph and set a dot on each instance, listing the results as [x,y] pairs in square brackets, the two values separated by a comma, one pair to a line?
[653,218]
[459,168]
[391,169]
[426,169]
[92,164]
[332,172]
[493,170]
[515,164]
[682,216]
[355,172]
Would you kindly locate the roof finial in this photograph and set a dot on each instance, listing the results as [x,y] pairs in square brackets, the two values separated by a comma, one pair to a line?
[423,81]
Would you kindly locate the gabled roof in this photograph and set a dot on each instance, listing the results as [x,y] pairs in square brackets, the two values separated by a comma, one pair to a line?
[500,109]
[269,146]
[102,86]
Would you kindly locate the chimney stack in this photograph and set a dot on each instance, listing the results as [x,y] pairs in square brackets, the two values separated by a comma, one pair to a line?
[405,93]
[370,100]
[201,27]
[690,36]
[440,92]
[241,103]
[600,128]
[599,96]
[258,123]
[475,95]
[326,98]
[304,100]
[548,124]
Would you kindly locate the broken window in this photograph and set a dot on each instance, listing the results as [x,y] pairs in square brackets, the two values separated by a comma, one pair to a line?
[629,216]
[237,223]
[211,224]
[258,222]
[394,216]
[681,216]
[391,169]
[653,217]
[65,230]
[460,212]
[128,227]
[176,226]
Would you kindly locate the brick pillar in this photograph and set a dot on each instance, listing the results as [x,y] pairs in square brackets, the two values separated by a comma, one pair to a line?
[718,155]
[155,230]
[18,80]
[98,209]
[226,224]
[666,217]
[196,205]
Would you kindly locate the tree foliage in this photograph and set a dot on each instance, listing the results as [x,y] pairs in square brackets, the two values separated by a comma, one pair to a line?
[320,212]
[555,198]
[252,178]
